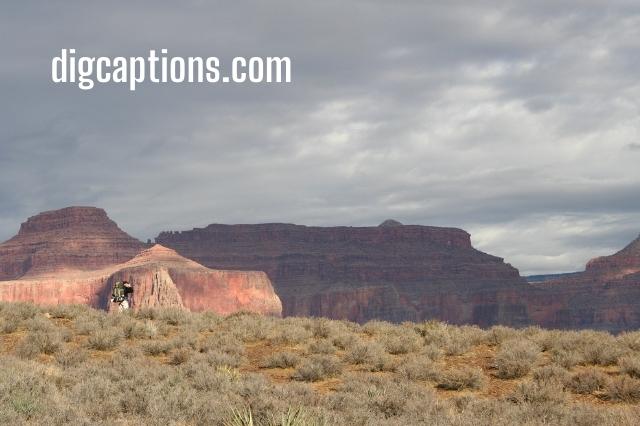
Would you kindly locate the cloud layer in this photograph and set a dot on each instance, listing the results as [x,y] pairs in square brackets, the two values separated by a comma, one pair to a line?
[517,121]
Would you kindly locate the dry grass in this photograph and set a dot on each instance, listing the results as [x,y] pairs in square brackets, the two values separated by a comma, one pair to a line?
[74,365]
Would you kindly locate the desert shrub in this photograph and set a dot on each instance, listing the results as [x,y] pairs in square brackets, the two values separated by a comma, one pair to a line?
[498,334]
[418,368]
[248,326]
[538,393]
[205,321]
[104,339]
[623,388]
[565,358]
[174,316]
[432,352]
[146,314]
[546,339]
[8,326]
[630,340]
[19,311]
[290,332]
[401,342]
[602,352]
[224,343]
[222,350]
[281,360]
[587,346]
[345,340]
[86,325]
[451,340]
[318,367]
[363,352]
[378,328]
[39,342]
[462,378]
[180,356]
[322,346]
[156,347]
[515,358]
[323,328]
[67,311]
[630,365]
[134,329]
[587,381]
[71,357]
[39,323]
[26,391]
[551,374]
[187,339]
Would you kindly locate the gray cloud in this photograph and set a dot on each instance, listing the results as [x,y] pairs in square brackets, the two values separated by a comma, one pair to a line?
[509,119]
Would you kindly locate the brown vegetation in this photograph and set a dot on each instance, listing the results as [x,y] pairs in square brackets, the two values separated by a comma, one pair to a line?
[74,365]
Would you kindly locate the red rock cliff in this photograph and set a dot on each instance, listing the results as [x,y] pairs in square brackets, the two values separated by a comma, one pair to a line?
[391,272]
[74,238]
[160,278]
[605,296]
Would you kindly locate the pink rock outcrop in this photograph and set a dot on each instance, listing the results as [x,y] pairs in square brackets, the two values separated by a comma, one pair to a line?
[74,255]
[160,277]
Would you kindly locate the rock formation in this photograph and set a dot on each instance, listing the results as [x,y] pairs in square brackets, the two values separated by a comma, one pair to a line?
[160,278]
[394,272]
[605,296]
[71,239]
[74,255]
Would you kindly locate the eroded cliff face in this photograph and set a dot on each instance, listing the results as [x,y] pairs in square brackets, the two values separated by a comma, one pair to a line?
[70,239]
[161,278]
[394,272]
[605,296]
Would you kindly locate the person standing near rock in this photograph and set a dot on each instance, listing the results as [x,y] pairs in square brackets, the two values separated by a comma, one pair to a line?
[121,295]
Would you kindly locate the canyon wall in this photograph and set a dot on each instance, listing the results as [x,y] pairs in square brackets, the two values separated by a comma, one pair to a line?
[605,296]
[393,272]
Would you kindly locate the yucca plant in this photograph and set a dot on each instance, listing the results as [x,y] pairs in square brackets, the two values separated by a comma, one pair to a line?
[242,417]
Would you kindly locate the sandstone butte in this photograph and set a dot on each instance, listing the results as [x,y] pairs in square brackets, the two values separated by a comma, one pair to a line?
[401,272]
[75,255]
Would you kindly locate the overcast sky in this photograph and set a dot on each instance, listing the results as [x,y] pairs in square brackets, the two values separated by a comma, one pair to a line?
[517,121]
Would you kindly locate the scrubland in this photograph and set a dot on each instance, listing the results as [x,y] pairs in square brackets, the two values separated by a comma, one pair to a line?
[72,365]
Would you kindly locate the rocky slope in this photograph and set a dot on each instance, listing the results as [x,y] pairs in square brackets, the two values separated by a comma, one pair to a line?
[160,278]
[394,272]
[605,296]
[74,238]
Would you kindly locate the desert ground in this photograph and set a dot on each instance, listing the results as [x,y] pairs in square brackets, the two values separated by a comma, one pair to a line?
[72,365]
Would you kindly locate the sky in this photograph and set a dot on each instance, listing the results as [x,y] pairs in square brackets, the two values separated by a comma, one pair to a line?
[517,121]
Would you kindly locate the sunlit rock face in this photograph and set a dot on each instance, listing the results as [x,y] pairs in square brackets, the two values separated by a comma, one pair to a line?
[75,255]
